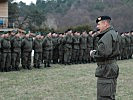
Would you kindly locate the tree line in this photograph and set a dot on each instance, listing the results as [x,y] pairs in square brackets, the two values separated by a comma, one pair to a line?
[63,14]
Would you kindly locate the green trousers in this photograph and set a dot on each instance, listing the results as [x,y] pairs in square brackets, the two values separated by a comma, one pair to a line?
[106,89]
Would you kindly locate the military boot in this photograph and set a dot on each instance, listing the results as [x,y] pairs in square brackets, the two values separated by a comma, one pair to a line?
[2,69]
[29,68]
[17,68]
[13,68]
[45,65]
[48,64]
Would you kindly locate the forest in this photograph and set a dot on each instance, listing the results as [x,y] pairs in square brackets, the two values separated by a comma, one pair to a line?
[63,14]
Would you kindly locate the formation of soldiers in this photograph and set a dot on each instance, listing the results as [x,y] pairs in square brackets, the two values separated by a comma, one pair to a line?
[64,48]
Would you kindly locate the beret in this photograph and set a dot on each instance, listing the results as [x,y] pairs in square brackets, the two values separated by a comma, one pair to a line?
[100,18]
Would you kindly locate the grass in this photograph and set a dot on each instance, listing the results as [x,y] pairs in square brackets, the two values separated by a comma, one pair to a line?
[74,82]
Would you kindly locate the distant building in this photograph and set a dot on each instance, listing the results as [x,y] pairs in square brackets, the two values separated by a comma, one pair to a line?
[3,13]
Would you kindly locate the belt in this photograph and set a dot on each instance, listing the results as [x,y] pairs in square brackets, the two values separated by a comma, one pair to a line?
[106,62]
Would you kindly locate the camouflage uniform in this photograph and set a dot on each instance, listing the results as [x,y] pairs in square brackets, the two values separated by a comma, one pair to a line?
[76,49]
[123,47]
[55,49]
[131,45]
[47,46]
[37,47]
[6,54]
[61,50]
[0,52]
[26,49]
[83,49]
[16,52]
[120,46]
[127,52]
[68,39]
[89,47]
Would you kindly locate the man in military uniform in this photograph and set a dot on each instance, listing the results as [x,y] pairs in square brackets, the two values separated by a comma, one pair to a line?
[26,48]
[76,48]
[83,47]
[105,55]
[1,37]
[47,46]
[61,49]
[127,39]
[68,40]
[55,48]
[6,53]
[16,52]
[89,46]
[123,47]
[131,44]
[37,47]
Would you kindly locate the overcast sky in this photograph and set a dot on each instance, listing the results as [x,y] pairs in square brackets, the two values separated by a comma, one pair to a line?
[26,1]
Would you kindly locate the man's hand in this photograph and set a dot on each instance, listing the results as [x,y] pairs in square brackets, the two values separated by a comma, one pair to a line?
[92,52]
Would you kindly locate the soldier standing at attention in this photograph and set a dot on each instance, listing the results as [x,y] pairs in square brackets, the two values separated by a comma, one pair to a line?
[37,47]
[55,48]
[76,48]
[89,46]
[61,49]
[47,46]
[131,44]
[83,47]
[26,48]
[105,55]
[68,40]
[1,37]
[16,52]
[6,53]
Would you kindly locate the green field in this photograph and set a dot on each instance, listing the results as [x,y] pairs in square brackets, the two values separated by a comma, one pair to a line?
[74,82]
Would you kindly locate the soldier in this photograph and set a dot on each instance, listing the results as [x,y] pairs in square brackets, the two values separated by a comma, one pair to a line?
[83,47]
[127,38]
[6,53]
[12,34]
[55,48]
[37,47]
[76,48]
[26,48]
[123,47]
[61,49]
[105,55]
[89,45]
[95,39]
[120,45]
[16,52]
[68,40]
[42,37]
[47,46]
[131,43]
[1,37]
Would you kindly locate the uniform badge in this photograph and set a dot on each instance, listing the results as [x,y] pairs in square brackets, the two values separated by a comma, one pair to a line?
[99,18]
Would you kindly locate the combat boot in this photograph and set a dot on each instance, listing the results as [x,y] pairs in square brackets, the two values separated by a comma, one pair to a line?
[45,65]
[29,68]
[13,68]
[38,66]
[2,69]
[48,64]
[6,69]
[17,68]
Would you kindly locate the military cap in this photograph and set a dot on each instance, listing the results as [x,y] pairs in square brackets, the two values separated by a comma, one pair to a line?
[1,33]
[38,33]
[100,18]
[14,31]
